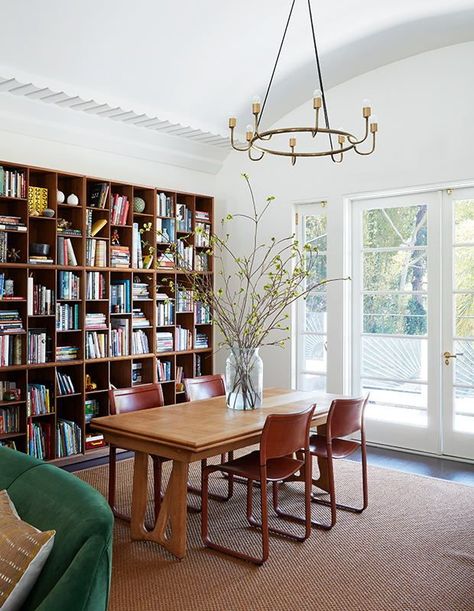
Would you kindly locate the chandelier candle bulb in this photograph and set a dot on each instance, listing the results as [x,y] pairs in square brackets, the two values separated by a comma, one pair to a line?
[249,133]
[292,142]
[232,122]
[374,126]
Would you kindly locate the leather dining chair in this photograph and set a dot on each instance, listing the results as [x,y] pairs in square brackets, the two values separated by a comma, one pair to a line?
[282,436]
[345,417]
[125,400]
[207,387]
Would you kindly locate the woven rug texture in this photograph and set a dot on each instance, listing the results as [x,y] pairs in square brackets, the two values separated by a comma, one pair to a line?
[411,550]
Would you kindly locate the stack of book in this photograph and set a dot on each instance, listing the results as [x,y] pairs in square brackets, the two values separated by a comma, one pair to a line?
[39,346]
[69,231]
[9,419]
[11,352]
[67,353]
[11,223]
[163,370]
[91,409]
[164,341]
[137,255]
[201,262]
[165,230]
[140,342]
[67,316]
[95,286]
[120,296]
[39,440]
[184,339]
[65,383]
[184,255]
[184,300]
[99,195]
[184,218]
[140,290]
[69,285]
[40,260]
[202,314]
[12,183]
[96,345]
[3,247]
[137,369]
[10,322]
[201,341]
[96,320]
[202,234]
[96,253]
[39,400]
[120,206]
[119,337]
[40,299]
[164,310]
[164,204]
[66,254]
[201,215]
[68,438]
[139,319]
[119,256]
[165,260]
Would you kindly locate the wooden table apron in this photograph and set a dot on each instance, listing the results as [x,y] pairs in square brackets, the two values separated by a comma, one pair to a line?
[189,432]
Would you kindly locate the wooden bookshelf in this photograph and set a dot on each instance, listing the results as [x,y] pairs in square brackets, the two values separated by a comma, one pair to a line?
[105,370]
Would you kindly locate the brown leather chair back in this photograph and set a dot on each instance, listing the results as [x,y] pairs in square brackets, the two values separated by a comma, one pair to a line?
[284,434]
[346,416]
[204,387]
[123,400]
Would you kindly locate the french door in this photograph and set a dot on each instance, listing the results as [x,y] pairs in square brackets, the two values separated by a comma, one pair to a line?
[413,319]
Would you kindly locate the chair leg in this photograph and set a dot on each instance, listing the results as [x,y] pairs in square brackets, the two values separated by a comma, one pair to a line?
[213,495]
[205,526]
[332,497]
[112,475]
[365,491]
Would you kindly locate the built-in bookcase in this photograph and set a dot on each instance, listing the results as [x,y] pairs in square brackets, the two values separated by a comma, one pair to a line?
[95,312]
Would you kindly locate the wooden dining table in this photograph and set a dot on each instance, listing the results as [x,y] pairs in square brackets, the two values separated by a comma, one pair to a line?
[189,432]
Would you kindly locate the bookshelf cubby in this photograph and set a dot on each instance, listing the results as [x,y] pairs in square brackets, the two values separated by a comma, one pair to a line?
[89,311]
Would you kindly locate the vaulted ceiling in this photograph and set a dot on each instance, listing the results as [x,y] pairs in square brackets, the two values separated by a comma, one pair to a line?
[182,67]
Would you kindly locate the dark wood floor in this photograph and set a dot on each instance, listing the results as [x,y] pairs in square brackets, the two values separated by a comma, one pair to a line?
[431,466]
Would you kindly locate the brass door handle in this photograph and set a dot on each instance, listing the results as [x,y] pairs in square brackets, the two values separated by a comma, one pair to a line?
[448,355]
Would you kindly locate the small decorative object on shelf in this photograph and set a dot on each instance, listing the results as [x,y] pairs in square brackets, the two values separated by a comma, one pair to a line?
[37,200]
[72,200]
[115,238]
[13,394]
[13,255]
[90,385]
[138,204]
[60,197]
[48,212]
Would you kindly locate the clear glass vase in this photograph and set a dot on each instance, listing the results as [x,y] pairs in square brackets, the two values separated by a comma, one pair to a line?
[244,379]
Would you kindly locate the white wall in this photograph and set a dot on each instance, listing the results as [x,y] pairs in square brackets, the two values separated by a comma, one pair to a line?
[424,106]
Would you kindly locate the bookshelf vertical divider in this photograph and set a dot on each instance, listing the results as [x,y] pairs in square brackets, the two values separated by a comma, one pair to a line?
[49,388]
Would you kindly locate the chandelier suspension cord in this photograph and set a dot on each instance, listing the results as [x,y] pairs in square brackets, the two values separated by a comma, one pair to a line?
[276,63]
[320,76]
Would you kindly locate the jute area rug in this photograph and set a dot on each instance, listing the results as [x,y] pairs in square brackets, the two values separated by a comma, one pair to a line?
[411,550]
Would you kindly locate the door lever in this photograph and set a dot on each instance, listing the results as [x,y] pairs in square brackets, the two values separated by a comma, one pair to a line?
[448,355]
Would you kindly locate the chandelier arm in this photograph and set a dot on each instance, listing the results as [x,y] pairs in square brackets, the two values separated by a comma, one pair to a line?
[367,152]
[255,158]
[320,76]
[234,146]
[316,123]
[276,64]
[354,140]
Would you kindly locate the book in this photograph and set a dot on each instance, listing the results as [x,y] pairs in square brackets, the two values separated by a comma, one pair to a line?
[119,337]
[97,226]
[99,195]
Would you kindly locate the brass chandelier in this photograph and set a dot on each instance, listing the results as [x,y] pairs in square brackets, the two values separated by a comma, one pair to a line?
[257,140]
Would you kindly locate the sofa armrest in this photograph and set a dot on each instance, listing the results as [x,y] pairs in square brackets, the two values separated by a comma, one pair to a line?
[73,591]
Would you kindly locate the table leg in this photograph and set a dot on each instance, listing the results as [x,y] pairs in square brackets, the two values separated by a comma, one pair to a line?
[323,480]
[173,511]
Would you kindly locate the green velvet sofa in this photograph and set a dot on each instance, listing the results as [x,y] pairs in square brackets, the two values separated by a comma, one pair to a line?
[76,576]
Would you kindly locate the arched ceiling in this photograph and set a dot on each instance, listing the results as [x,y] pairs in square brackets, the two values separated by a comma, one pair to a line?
[187,65]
